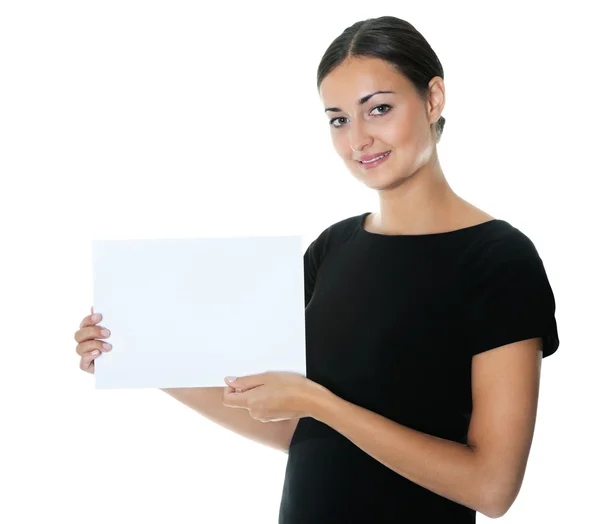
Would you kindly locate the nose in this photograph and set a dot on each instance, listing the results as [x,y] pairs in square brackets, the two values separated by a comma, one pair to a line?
[358,138]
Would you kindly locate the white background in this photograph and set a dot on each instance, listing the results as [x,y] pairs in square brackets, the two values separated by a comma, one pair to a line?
[122,119]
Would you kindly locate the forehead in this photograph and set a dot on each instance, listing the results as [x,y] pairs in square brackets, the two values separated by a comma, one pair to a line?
[356,77]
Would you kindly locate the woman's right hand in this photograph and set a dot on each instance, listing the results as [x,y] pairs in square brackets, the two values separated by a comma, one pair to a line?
[88,347]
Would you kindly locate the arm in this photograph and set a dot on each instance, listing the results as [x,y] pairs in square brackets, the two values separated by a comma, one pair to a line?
[484,475]
[209,403]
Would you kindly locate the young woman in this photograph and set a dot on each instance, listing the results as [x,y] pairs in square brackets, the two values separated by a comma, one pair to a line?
[426,322]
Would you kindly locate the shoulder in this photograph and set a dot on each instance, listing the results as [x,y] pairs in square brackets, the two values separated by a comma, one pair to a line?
[335,235]
[498,247]
[503,262]
[503,269]
[505,294]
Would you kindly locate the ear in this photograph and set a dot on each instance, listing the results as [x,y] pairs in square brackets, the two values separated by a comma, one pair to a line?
[436,99]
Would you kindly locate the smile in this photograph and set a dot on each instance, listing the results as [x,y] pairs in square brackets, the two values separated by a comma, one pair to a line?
[375,159]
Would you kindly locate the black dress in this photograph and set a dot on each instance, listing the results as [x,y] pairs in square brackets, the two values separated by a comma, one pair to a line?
[392,322]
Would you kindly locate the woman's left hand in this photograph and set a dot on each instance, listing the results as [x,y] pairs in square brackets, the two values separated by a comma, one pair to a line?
[273,396]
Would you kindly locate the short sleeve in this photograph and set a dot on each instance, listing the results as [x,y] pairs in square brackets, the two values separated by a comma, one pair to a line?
[313,257]
[311,264]
[507,298]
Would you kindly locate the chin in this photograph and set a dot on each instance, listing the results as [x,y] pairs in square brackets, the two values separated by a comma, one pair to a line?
[383,181]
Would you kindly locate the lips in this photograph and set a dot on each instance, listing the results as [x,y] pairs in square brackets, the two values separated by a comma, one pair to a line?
[371,157]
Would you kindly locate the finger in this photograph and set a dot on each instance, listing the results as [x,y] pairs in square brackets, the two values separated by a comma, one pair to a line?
[238,389]
[226,391]
[89,321]
[248,382]
[234,400]
[87,362]
[84,332]
[231,389]
[90,332]
[88,346]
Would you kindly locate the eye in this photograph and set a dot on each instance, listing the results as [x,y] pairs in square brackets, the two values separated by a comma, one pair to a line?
[331,122]
[386,106]
[383,105]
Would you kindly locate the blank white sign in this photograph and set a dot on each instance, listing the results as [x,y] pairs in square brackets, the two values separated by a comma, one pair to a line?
[189,312]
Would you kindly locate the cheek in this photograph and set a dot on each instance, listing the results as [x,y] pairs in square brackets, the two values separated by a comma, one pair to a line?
[400,135]
[342,147]
[339,145]
[339,140]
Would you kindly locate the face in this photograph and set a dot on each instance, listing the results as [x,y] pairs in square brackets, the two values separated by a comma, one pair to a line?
[399,122]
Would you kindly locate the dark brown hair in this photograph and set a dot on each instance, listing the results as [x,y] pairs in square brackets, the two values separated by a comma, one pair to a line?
[393,40]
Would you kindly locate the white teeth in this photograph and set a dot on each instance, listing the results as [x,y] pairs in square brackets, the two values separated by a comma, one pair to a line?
[373,159]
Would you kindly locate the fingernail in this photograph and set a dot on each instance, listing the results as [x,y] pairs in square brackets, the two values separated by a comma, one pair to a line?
[230,379]
[95,317]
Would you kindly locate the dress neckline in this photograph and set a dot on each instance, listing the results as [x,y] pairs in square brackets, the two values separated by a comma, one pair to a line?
[363,231]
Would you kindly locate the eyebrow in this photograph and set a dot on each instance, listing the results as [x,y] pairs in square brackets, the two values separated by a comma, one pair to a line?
[360,102]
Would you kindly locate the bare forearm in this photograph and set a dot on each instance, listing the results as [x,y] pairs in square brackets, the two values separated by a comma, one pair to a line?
[444,467]
[209,403]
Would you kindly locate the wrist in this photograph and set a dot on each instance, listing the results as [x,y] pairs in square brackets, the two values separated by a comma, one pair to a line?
[318,401]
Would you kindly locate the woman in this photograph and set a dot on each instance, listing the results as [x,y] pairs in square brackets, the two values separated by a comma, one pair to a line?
[426,322]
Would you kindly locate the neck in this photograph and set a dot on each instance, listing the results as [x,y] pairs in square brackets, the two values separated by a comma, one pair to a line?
[423,203]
